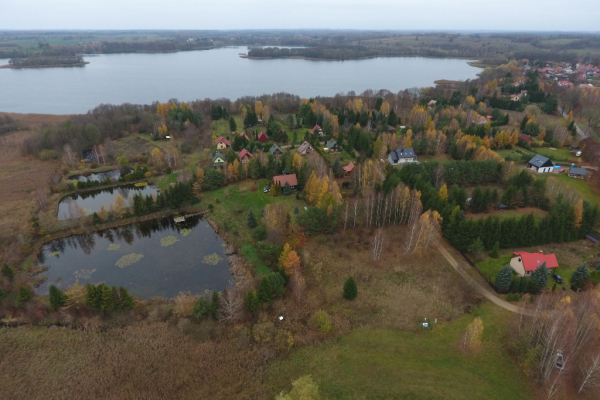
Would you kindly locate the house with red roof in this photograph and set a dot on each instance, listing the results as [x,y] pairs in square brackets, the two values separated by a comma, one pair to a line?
[244,156]
[348,168]
[524,263]
[281,180]
[262,137]
[222,143]
[316,129]
[527,138]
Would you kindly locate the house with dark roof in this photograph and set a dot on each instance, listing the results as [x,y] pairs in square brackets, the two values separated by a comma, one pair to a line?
[540,164]
[218,160]
[332,146]
[276,151]
[402,155]
[316,129]
[222,143]
[524,263]
[305,148]
[244,156]
[577,173]
[262,137]
[291,179]
[593,238]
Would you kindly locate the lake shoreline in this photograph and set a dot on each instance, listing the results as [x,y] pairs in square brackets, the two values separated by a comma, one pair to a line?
[473,63]
[9,66]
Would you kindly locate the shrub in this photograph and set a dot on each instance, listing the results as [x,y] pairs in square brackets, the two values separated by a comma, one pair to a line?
[514,296]
[201,308]
[25,294]
[504,279]
[253,188]
[495,249]
[96,219]
[296,210]
[595,277]
[580,276]
[251,302]
[539,277]
[57,298]
[323,321]
[3,294]
[251,220]
[217,200]
[8,271]
[350,289]
[123,161]
[259,233]
[184,305]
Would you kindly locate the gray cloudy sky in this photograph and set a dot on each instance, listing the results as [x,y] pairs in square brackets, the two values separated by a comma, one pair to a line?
[572,15]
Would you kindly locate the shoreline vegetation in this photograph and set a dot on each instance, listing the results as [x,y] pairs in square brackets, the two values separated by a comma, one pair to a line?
[9,66]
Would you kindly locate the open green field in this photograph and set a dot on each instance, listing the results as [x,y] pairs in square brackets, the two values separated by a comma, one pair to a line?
[583,186]
[394,364]
[506,214]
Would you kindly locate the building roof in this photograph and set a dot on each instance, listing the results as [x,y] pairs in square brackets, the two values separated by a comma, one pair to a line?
[349,167]
[331,144]
[304,147]
[533,260]
[282,179]
[577,171]
[402,152]
[540,161]
[274,148]
[244,153]
[222,139]
[526,138]
[218,155]
[593,236]
[262,137]
[431,103]
[316,128]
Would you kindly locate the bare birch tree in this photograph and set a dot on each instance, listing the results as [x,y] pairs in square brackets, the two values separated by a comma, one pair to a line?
[231,306]
[377,244]
[591,374]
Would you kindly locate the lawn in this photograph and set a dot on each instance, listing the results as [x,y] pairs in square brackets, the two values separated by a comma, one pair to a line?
[395,364]
[561,154]
[587,191]
[505,214]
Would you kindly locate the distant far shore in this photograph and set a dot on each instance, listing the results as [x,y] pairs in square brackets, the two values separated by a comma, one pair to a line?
[82,64]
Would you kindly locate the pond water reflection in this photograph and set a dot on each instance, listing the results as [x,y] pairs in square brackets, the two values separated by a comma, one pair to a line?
[153,258]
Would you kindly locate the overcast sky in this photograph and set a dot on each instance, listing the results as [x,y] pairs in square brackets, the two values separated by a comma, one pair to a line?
[554,15]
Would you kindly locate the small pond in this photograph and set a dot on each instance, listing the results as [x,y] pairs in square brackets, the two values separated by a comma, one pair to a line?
[153,258]
[115,174]
[90,201]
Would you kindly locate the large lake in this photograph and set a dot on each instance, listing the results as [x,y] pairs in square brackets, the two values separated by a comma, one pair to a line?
[154,258]
[144,78]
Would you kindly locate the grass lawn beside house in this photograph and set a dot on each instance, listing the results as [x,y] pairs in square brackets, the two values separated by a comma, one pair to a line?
[371,363]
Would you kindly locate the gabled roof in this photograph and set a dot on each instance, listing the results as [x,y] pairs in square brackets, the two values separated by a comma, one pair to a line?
[217,156]
[274,148]
[402,152]
[331,144]
[578,171]
[540,161]
[349,167]
[316,128]
[533,260]
[302,149]
[594,237]
[526,138]
[244,153]
[222,139]
[262,137]
[282,179]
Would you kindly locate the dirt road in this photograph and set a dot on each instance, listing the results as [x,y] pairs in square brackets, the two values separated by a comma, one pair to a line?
[460,266]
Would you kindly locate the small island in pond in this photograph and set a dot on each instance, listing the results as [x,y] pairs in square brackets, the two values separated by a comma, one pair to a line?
[45,62]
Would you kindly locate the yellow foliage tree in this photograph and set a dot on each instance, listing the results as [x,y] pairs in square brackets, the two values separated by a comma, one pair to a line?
[157,157]
[199,181]
[292,263]
[102,213]
[358,105]
[297,162]
[284,255]
[542,135]
[418,115]
[385,108]
[258,109]
[119,205]
[444,192]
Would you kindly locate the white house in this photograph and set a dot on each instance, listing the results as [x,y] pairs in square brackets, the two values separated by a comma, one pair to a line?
[402,155]
[540,164]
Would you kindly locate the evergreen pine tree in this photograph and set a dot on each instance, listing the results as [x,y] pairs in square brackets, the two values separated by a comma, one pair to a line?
[8,272]
[476,247]
[57,298]
[251,220]
[265,291]
[287,189]
[504,279]
[296,210]
[201,308]
[495,249]
[232,124]
[96,219]
[25,294]
[539,278]
[580,276]
[251,302]
[350,289]
[214,304]
[338,171]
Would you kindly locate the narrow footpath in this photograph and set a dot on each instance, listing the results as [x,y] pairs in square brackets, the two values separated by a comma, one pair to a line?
[480,288]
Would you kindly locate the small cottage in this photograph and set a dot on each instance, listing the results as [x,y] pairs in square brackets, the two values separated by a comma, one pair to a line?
[276,151]
[526,138]
[316,129]
[244,156]
[332,146]
[540,164]
[578,173]
[348,168]
[222,143]
[262,137]
[218,160]
[305,148]
[524,263]
[291,179]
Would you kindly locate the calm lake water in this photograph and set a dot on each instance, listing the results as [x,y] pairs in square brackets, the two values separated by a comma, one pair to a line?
[92,200]
[144,78]
[155,258]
